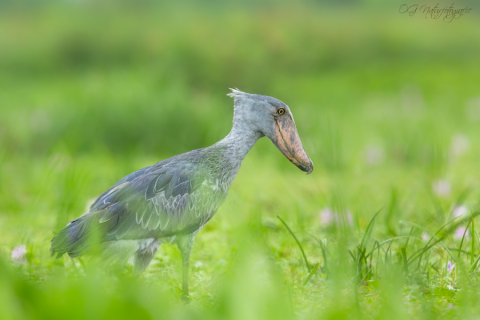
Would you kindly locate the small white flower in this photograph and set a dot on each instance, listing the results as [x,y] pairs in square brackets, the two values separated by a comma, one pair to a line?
[18,254]
[459,211]
[441,188]
[460,144]
[425,236]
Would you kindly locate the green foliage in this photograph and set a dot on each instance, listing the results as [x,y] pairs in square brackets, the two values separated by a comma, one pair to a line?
[387,107]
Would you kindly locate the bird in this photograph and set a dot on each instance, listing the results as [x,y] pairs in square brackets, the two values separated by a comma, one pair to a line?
[172,200]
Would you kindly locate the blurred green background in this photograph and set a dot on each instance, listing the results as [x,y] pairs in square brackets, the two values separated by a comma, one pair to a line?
[387,106]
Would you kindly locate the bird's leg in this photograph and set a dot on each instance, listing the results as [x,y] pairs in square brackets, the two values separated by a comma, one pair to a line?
[184,243]
[143,257]
[185,293]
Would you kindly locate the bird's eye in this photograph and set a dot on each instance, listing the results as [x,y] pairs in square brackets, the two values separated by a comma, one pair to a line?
[281,111]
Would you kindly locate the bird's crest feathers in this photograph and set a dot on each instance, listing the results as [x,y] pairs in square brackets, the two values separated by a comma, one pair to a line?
[236,93]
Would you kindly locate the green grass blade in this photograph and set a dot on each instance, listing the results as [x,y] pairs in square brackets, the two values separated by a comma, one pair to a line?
[473,241]
[463,238]
[310,275]
[427,247]
[298,243]
[369,229]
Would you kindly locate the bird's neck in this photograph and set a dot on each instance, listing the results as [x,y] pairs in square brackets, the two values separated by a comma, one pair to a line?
[236,145]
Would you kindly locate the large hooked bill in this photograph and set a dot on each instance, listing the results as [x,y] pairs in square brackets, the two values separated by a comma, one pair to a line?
[288,142]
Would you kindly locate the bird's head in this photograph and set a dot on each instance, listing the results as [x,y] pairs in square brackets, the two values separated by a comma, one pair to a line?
[272,118]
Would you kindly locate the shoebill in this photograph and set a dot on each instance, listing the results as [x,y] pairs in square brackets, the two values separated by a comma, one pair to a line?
[173,199]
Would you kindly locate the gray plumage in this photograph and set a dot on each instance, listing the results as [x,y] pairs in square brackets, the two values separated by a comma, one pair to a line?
[175,198]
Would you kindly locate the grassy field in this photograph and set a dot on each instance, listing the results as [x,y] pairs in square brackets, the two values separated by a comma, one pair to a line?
[388,109]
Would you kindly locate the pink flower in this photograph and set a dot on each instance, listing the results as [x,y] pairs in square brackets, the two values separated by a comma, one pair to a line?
[459,233]
[328,216]
[441,188]
[18,254]
[459,211]
[450,267]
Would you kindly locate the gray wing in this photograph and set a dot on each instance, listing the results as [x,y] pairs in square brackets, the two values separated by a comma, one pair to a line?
[161,202]
[154,202]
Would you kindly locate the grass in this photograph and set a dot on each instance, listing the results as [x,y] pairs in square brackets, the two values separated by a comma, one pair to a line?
[389,115]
